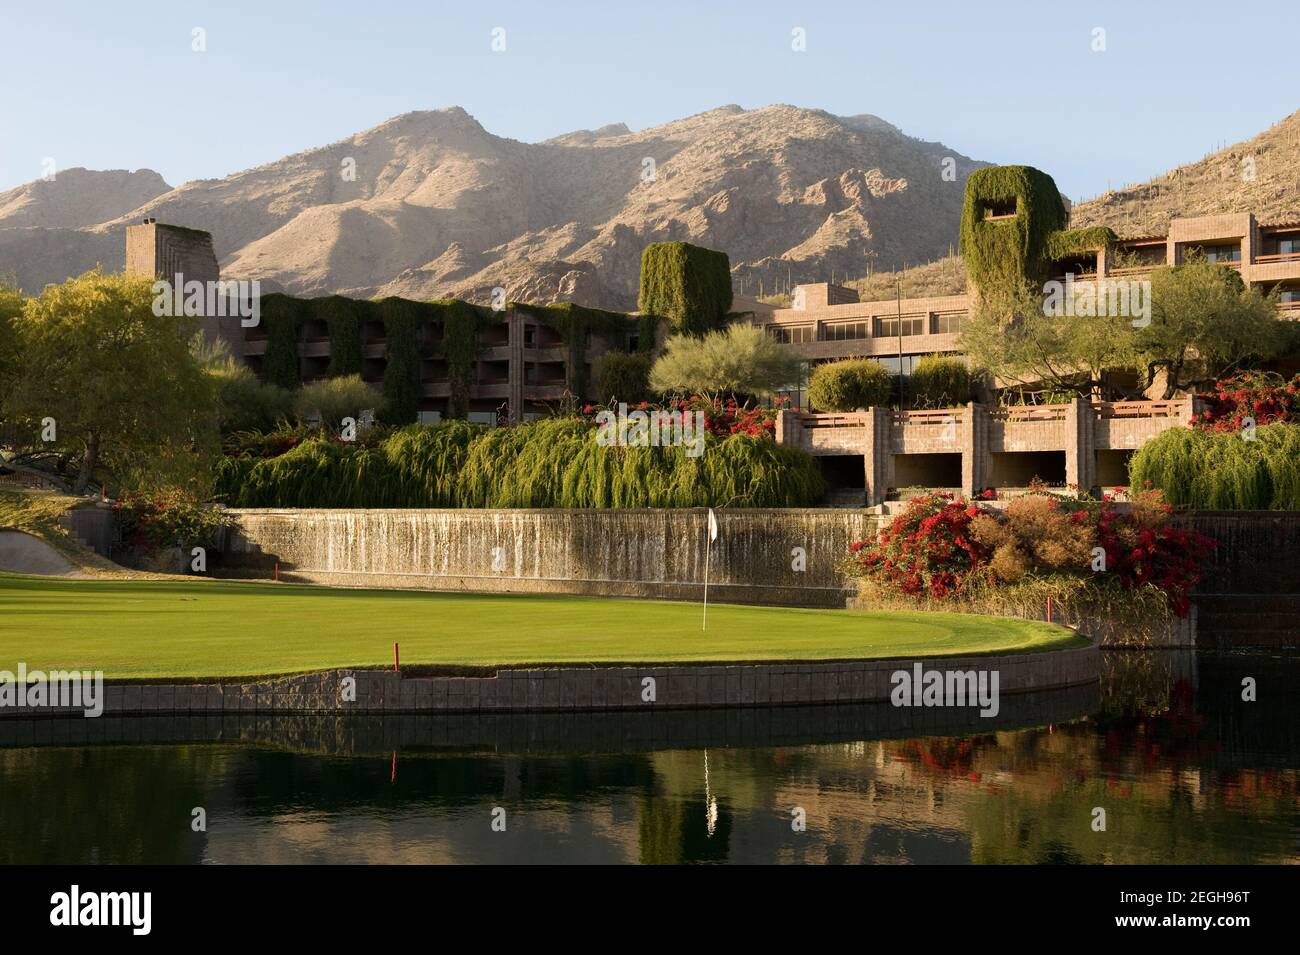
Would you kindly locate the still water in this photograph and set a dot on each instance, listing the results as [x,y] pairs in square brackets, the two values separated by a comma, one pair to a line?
[1185,769]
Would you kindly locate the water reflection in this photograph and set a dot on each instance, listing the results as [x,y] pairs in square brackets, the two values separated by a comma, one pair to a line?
[1187,771]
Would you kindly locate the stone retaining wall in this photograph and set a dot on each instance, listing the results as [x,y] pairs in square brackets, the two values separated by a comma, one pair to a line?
[583,689]
[772,555]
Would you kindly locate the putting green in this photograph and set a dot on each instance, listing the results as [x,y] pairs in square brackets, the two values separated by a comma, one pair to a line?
[182,629]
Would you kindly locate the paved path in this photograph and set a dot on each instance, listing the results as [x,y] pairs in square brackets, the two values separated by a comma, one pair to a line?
[24,554]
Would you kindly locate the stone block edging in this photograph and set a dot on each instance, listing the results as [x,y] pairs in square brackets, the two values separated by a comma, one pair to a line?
[576,689]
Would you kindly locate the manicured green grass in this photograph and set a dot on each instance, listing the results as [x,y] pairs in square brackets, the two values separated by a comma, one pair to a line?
[203,628]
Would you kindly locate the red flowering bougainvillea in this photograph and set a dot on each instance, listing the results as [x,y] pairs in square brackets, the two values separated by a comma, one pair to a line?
[939,546]
[927,550]
[1262,396]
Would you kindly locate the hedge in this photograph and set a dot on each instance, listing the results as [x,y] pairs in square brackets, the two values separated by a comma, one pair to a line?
[938,381]
[621,377]
[1208,470]
[849,385]
[553,462]
[686,284]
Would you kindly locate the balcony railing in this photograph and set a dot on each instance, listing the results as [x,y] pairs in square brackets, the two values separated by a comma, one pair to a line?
[1277,257]
[1021,413]
[849,420]
[936,416]
[1139,409]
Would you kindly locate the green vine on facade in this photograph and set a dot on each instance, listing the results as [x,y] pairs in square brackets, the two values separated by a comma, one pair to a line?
[688,285]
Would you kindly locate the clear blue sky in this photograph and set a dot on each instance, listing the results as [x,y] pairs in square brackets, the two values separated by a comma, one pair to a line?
[117,85]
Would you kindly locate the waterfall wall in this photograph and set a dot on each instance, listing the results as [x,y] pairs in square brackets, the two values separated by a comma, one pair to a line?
[786,556]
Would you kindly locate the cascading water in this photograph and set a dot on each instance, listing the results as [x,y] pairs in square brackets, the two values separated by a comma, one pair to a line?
[783,555]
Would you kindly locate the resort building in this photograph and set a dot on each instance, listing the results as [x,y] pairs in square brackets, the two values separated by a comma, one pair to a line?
[827,322]
[523,361]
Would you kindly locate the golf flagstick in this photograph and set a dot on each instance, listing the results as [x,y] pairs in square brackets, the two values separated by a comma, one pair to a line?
[708,547]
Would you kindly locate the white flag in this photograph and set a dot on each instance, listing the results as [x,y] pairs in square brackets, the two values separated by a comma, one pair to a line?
[713,525]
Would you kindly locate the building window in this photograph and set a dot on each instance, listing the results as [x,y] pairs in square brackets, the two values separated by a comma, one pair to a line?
[947,323]
[890,362]
[793,334]
[1000,208]
[1219,253]
[530,336]
[845,331]
[888,327]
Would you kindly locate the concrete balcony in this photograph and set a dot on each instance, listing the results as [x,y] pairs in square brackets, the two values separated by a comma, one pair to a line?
[1079,445]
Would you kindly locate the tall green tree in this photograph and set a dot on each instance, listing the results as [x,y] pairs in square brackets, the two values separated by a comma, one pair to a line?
[125,391]
[1205,324]
[11,306]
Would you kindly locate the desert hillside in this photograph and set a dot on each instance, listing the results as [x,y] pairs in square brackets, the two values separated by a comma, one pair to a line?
[430,204]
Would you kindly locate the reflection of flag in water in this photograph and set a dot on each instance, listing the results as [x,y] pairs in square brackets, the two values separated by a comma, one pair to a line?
[708,548]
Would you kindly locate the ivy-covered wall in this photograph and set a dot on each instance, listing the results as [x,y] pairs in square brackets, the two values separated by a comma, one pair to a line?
[1009,254]
[1013,255]
[686,284]
[405,323]
[282,316]
[578,324]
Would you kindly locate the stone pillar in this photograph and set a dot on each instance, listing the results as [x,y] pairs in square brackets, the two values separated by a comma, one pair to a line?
[877,455]
[789,429]
[974,449]
[1080,445]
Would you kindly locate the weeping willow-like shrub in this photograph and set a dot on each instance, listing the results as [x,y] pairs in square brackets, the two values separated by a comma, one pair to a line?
[554,462]
[1223,471]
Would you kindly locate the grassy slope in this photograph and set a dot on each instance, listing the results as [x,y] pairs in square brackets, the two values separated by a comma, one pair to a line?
[203,628]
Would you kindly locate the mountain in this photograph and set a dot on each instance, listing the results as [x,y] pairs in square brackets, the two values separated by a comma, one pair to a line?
[431,205]
[1260,175]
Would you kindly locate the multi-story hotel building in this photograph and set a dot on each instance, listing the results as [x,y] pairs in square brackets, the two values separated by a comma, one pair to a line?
[827,322]
[522,367]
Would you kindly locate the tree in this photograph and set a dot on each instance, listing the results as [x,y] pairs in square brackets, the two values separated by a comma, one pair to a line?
[849,385]
[11,306]
[120,382]
[334,399]
[1014,339]
[622,377]
[245,403]
[740,359]
[1205,324]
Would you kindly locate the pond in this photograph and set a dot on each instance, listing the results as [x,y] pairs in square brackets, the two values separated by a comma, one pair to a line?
[1185,770]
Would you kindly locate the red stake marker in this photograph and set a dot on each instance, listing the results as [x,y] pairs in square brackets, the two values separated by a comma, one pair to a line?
[1049,608]
[397,666]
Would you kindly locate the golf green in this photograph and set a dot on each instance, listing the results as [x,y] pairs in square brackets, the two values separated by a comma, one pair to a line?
[222,629]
